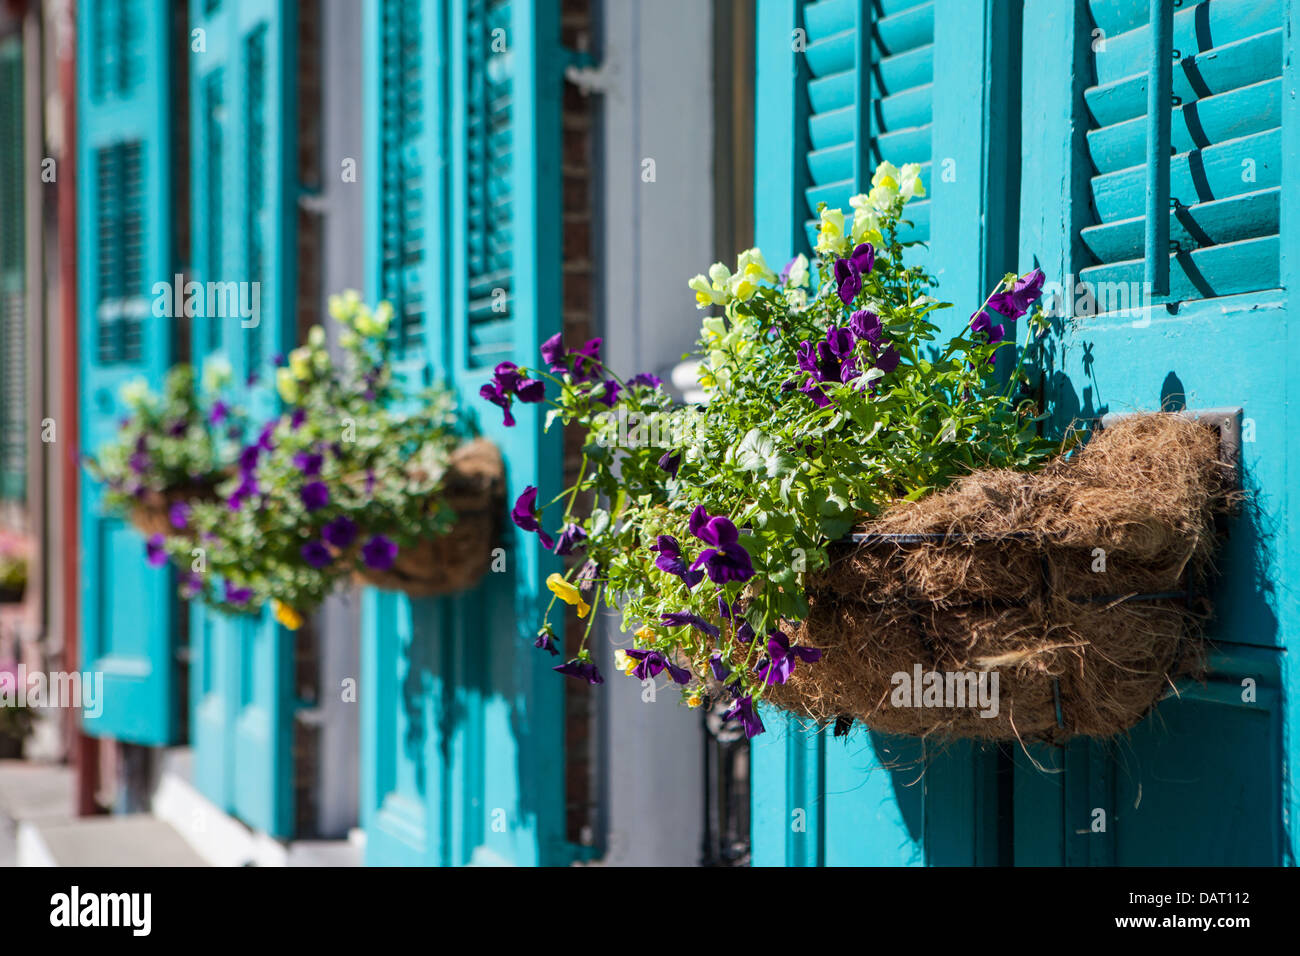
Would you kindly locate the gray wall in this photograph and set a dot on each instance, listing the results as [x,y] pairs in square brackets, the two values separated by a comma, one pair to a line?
[338,623]
[657,105]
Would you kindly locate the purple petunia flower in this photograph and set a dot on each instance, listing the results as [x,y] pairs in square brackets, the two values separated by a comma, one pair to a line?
[726,560]
[155,551]
[525,517]
[582,670]
[179,515]
[340,532]
[670,462]
[683,618]
[1016,302]
[314,494]
[849,272]
[316,555]
[781,659]
[237,595]
[571,536]
[654,663]
[379,553]
[308,463]
[743,708]
[670,559]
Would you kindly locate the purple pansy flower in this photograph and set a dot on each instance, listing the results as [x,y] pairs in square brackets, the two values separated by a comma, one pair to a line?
[1016,302]
[582,670]
[865,324]
[237,595]
[670,462]
[586,578]
[982,324]
[264,438]
[179,515]
[745,633]
[610,398]
[743,708]
[525,517]
[314,494]
[219,412]
[683,618]
[297,418]
[726,560]
[248,459]
[849,272]
[545,642]
[308,463]
[839,339]
[316,554]
[571,536]
[340,532]
[192,585]
[507,385]
[645,380]
[553,352]
[155,551]
[379,553]
[654,663]
[670,559]
[719,668]
[178,428]
[781,659]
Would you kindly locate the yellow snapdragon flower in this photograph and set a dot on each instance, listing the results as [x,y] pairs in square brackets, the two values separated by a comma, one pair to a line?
[567,593]
[624,662]
[286,385]
[830,234]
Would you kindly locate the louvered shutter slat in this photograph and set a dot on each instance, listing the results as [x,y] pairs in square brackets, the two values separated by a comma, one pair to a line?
[1225,137]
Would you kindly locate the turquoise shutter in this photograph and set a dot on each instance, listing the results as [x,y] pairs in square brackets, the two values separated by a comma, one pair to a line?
[244,208]
[903,82]
[1201,781]
[13,284]
[462,718]
[1225,143]
[124,247]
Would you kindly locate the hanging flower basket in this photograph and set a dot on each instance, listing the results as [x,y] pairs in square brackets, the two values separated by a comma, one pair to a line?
[152,513]
[473,488]
[1081,588]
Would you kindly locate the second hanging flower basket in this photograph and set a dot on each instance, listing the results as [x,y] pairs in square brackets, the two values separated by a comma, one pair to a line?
[473,489]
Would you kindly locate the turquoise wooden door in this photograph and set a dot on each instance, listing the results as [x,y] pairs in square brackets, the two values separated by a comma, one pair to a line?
[244,204]
[124,247]
[842,85]
[462,728]
[1201,781]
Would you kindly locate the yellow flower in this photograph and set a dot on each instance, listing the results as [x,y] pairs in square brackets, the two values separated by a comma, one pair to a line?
[286,615]
[646,633]
[286,385]
[830,235]
[567,593]
[705,294]
[624,662]
[910,185]
[300,363]
[694,700]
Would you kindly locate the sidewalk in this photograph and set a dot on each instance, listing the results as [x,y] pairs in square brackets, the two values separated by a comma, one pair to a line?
[38,826]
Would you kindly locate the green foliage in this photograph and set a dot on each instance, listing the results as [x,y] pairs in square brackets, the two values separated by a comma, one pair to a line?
[792,475]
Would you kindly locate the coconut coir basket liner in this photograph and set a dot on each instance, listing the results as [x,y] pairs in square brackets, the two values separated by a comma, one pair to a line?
[1000,573]
[473,488]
